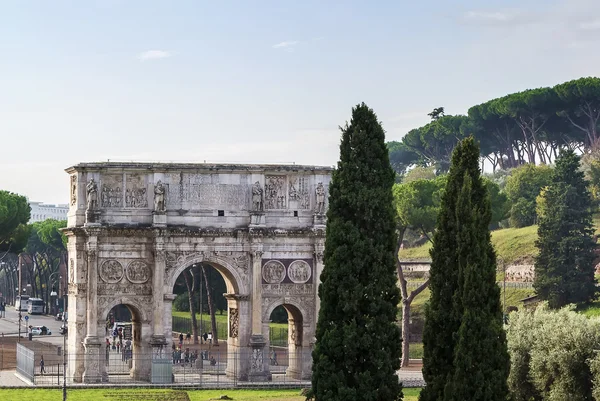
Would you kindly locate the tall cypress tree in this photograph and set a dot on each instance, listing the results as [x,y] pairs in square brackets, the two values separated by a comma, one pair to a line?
[357,352]
[481,361]
[442,312]
[564,268]
[465,356]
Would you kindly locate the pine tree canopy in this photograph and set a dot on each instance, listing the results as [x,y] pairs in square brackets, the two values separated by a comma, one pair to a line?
[357,352]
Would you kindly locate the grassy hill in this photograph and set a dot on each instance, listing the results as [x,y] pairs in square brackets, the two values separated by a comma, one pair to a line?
[513,245]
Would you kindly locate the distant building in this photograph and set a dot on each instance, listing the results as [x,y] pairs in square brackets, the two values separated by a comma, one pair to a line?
[41,211]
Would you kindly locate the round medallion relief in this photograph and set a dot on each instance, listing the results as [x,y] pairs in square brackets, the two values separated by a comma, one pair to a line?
[273,272]
[299,272]
[111,271]
[138,272]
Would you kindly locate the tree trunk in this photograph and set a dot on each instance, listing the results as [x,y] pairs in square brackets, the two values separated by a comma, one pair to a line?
[406,301]
[190,284]
[211,310]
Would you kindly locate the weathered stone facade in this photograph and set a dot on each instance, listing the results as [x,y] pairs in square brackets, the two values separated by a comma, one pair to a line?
[133,228]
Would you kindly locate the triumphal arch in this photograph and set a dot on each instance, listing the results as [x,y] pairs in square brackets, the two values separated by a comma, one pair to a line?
[133,228]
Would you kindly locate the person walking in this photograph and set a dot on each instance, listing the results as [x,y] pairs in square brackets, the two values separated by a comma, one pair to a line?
[42,370]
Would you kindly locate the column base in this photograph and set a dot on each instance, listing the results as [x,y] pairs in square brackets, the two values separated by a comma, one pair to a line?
[92,361]
[257,219]
[159,219]
[258,373]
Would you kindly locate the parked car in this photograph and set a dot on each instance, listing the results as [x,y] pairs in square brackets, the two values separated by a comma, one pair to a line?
[63,329]
[40,331]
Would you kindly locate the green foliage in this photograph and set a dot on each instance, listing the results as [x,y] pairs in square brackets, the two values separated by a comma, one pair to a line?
[357,352]
[465,355]
[499,202]
[419,173]
[524,127]
[550,354]
[14,215]
[564,266]
[417,203]
[522,188]
[442,318]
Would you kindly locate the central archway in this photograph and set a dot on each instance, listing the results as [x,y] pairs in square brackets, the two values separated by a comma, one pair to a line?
[227,358]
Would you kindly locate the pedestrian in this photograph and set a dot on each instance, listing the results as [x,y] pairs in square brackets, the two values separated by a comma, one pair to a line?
[180,339]
[205,336]
[118,347]
[188,337]
[210,337]
[42,370]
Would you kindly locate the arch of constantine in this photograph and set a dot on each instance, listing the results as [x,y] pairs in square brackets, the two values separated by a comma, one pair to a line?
[133,228]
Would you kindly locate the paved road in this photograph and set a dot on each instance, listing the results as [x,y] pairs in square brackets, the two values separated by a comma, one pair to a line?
[9,325]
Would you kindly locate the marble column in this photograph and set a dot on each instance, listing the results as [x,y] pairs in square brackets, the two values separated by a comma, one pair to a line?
[92,343]
[158,340]
[258,369]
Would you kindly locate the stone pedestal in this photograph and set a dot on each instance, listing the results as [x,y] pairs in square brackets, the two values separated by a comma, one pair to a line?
[158,344]
[319,220]
[92,218]
[159,219]
[93,359]
[258,372]
[257,219]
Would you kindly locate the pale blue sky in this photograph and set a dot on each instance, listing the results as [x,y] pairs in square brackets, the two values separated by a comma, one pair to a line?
[260,81]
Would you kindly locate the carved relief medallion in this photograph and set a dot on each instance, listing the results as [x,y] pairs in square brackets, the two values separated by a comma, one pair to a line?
[111,271]
[138,272]
[299,272]
[234,322]
[273,272]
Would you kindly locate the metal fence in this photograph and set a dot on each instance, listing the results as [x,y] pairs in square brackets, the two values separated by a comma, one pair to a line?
[201,366]
[26,362]
[509,284]
[278,336]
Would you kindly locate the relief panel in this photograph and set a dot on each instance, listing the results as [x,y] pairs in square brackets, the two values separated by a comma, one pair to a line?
[111,194]
[136,192]
[275,192]
[298,193]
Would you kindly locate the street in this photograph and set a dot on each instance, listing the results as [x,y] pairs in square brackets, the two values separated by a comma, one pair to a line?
[9,325]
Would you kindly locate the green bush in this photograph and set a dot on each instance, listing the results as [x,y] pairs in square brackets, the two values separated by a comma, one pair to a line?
[553,355]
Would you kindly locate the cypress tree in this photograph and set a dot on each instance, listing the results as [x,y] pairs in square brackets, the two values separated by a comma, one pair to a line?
[357,352]
[465,356]
[481,361]
[564,268]
[442,313]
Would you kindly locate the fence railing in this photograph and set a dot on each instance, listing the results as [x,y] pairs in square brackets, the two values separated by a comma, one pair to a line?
[509,284]
[203,366]
[278,336]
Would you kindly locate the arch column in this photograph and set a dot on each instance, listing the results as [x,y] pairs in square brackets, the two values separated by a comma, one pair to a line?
[259,370]
[238,334]
[158,340]
[91,343]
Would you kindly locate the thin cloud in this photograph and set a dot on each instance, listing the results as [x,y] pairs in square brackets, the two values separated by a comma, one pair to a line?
[497,17]
[288,44]
[590,25]
[153,55]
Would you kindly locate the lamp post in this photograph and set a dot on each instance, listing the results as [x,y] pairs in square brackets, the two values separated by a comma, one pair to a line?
[53,294]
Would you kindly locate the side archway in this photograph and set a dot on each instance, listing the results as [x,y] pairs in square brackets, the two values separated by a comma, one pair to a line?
[297,356]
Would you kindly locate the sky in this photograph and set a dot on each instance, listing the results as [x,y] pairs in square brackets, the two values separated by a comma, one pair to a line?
[258,81]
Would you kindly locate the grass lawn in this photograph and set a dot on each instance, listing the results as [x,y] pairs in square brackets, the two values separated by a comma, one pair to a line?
[513,245]
[221,319]
[410,394]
